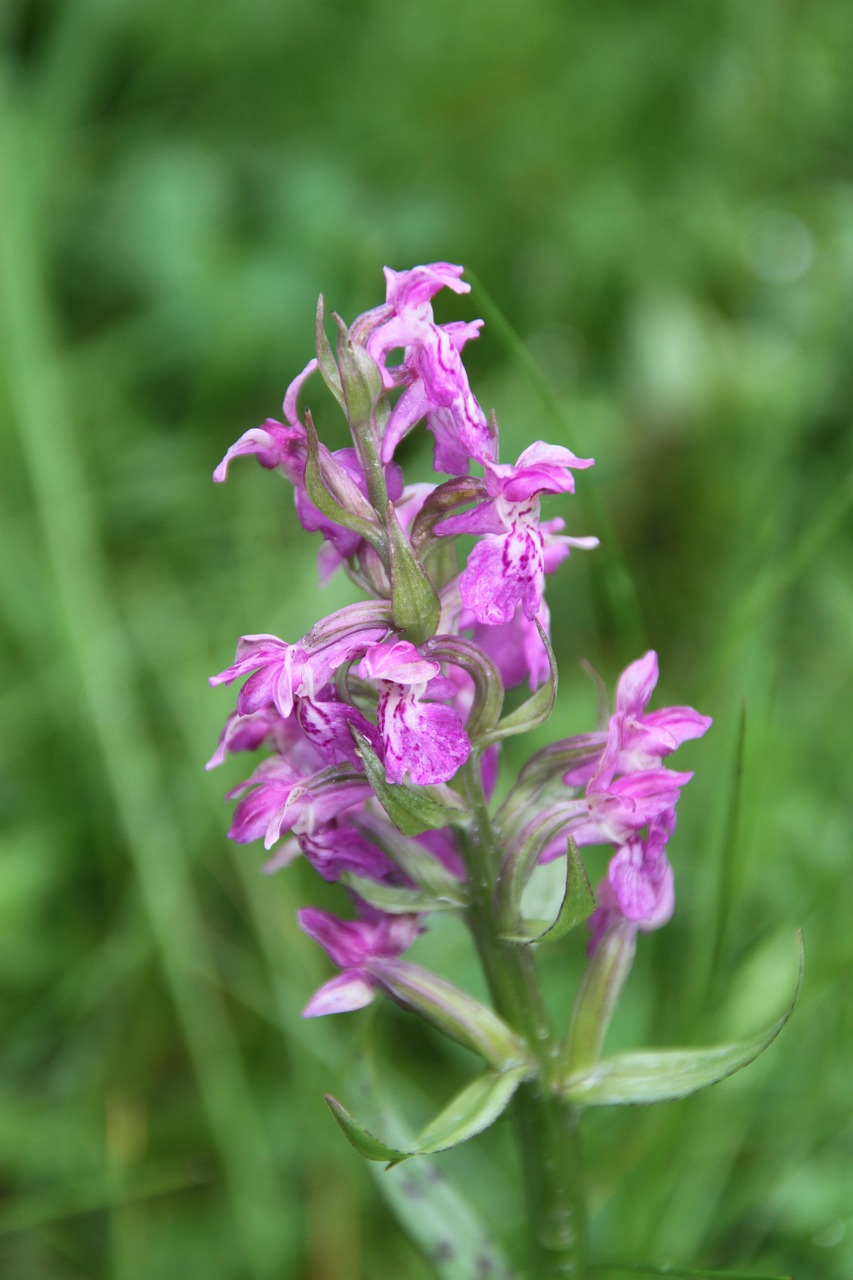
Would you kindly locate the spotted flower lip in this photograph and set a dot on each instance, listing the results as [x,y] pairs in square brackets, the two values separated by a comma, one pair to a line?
[507,567]
[424,740]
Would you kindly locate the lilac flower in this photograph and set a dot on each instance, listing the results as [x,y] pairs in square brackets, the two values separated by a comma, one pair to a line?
[352,944]
[507,566]
[427,740]
[278,797]
[278,671]
[435,380]
[335,850]
[283,447]
[639,885]
[247,733]
[638,740]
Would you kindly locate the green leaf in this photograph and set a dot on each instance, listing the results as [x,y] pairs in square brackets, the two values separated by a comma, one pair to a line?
[365,1142]
[429,1206]
[667,1074]
[361,380]
[578,903]
[336,495]
[411,809]
[414,599]
[325,358]
[474,1109]
[532,713]
[397,900]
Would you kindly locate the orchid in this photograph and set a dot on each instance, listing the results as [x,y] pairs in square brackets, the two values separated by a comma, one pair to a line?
[384,726]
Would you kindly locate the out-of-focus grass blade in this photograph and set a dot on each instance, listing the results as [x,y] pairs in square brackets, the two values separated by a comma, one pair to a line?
[89,1195]
[685,1273]
[433,1211]
[728,860]
[103,663]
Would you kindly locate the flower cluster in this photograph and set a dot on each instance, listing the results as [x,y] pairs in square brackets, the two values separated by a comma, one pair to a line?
[384,723]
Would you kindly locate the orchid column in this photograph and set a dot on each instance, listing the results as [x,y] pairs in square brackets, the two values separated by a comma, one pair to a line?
[382,729]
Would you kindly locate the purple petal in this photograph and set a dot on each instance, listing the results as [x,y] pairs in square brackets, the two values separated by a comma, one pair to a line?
[426,740]
[341,994]
[503,572]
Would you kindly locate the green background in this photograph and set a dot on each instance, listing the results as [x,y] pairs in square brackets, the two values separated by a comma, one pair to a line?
[659,198]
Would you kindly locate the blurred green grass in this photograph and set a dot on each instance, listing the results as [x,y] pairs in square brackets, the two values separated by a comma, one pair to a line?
[660,200]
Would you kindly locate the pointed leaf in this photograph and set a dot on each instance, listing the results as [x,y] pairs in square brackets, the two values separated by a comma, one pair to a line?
[365,1142]
[472,1111]
[578,903]
[411,809]
[335,493]
[325,357]
[398,900]
[414,599]
[537,708]
[430,1207]
[667,1074]
[361,379]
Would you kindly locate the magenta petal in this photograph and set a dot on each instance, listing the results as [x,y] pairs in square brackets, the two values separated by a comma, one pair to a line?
[347,942]
[341,994]
[502,573]
[636,685]
[642,884]
[425,740]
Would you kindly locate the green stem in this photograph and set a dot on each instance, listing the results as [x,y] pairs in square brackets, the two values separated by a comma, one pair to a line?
[546,1126]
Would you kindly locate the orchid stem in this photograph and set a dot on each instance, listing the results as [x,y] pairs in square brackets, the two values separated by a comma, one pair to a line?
[546,1126]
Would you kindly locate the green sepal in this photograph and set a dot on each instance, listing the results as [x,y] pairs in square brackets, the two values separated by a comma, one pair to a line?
[488,685]
[472,1111]
[668,1074]
[330,489]
[455,1013]
[519,863]
[325,357]
[441,503]
[606,975]
[535,710]
[577,905]
[414,599]
[418,863]
[397,900]
[543,769]
[361,380]
[411,809]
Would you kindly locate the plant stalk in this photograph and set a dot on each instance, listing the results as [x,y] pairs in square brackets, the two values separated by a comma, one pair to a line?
[546,1127]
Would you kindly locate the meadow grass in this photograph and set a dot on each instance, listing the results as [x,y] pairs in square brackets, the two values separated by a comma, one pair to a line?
[659,206]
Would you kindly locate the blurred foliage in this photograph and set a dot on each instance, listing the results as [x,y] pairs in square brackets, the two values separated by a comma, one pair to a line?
[660,199]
